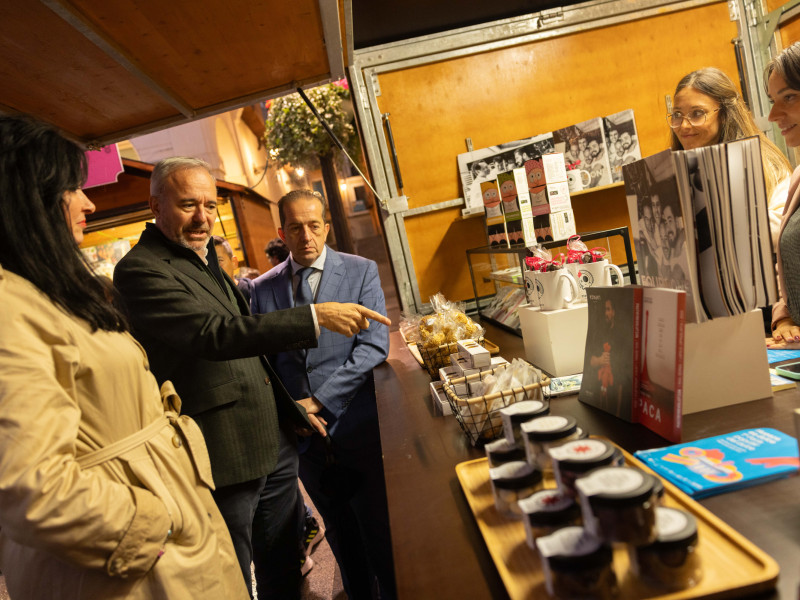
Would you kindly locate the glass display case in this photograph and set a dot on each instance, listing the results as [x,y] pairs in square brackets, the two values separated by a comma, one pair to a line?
[497,275]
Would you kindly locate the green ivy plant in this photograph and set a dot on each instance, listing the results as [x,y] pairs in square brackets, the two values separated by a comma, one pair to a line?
[295,136]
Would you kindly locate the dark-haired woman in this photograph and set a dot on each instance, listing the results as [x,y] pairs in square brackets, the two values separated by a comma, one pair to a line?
[104,489]
[783,88]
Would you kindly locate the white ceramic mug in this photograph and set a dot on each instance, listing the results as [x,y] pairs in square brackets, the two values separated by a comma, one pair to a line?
[596,274]
[531,294]
[556,289]
[573,269]
[578,179]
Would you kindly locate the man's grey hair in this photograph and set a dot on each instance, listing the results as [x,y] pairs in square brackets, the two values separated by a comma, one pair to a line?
[221,241]
[168,166]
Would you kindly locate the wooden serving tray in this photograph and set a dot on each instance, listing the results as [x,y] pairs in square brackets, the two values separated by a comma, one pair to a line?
[732,565]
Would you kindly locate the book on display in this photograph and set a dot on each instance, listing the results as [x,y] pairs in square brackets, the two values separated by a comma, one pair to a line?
[725,463]
[700,224]
[634,358]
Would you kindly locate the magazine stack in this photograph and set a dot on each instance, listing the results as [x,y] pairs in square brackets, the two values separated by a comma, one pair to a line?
[700,224]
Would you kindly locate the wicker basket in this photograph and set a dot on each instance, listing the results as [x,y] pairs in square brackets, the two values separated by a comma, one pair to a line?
[480,417]
[439,356]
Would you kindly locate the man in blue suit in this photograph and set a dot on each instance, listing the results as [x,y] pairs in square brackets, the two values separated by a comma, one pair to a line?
[343,473]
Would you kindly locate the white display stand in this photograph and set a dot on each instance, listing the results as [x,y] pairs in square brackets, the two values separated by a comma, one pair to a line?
[555,340]
[725,362]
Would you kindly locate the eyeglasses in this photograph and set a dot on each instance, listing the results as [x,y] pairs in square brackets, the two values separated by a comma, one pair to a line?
[696,118]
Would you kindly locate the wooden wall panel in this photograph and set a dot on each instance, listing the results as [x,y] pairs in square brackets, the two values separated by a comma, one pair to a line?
[256,229]
[508,94]
[790,32]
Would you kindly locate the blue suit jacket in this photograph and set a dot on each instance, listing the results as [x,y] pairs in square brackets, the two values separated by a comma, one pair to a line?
[339,369]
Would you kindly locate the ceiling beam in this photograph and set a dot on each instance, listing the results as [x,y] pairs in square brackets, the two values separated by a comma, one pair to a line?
[206,111]
[81,24]
[332,31]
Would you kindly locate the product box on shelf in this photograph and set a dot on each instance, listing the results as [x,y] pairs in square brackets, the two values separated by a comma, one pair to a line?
[463,368]
[509,194]
[555,340]
[562,224]
[441,407]
[476,355]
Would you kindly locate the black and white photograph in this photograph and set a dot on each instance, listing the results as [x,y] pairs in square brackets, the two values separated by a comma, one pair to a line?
[622,141]
[487,163]
[585,149]
[659,233]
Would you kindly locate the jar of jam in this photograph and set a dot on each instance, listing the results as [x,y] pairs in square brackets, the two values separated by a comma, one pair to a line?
[619,504]
[543,433]
[511,482]
[519,412]
[576,564]
[546,511]
[671,562]
[576,458]
[500,452]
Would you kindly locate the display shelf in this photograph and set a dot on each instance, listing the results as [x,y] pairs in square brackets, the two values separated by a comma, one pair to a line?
[504,267]
[610,186]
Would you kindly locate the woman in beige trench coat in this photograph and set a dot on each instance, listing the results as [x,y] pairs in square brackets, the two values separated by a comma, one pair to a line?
[104,489]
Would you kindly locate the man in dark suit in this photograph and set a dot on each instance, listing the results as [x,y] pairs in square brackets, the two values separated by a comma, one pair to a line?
[197,330]
[334,381]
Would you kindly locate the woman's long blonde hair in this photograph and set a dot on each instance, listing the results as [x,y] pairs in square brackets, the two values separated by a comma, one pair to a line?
[735,121]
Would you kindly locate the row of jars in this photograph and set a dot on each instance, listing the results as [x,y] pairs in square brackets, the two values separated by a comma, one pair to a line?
[598,503]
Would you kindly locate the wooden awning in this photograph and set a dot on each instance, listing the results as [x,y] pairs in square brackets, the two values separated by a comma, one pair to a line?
[107,70]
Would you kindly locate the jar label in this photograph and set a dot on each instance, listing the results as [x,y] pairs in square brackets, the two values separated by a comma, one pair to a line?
[511,470]
[579,449]
[567,541]
[545,501]
[610,480]
[670,521]
[549,423]
[530,406]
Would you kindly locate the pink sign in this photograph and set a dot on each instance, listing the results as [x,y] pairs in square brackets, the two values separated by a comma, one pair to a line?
[105,165]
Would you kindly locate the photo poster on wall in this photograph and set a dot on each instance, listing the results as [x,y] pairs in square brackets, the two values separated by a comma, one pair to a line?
[622,141]
[486,164]
[585,152]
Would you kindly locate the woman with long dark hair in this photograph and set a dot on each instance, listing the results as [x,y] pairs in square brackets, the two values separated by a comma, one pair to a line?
[104,489]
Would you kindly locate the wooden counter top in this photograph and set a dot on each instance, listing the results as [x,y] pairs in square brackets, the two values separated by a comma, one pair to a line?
[438,550]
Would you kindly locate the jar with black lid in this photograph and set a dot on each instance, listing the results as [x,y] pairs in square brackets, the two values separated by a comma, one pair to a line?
[619,504]
[519,412]
[546,511]
[671,562]
[543,433]
[512,482]
[576,458]
[576,564]
[500,452]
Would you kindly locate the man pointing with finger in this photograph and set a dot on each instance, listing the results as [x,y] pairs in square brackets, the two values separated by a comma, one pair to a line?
[198,332]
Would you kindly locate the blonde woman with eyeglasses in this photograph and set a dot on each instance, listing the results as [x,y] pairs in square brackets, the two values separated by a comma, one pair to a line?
[707,109]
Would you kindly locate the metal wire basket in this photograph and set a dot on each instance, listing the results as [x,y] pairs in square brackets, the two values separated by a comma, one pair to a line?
[436,357]
[479,417]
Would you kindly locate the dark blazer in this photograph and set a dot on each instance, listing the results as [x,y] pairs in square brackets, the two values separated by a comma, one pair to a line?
[339,369]
[212,352]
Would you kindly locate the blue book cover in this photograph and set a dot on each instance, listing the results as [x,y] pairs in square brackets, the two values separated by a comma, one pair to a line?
[725,462]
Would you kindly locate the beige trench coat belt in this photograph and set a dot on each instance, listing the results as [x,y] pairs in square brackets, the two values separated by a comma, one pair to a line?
[97,457]
[189,429]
